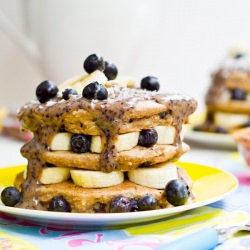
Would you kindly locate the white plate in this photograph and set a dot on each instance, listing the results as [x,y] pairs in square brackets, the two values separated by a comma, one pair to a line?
[210,139]
[216,140]
[210,185]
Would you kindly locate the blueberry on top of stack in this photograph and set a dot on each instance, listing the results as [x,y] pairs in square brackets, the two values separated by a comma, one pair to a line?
[103,144]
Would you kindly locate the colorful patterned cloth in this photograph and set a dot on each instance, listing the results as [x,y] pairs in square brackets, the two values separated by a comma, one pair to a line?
[19,234]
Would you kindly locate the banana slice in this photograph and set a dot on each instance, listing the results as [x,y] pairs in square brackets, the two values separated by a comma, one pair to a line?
[61,141]
[154,177]
[79,82]
[166,134]
[123,81]
[230,120]
[124,142]
[96,179]
[53,175]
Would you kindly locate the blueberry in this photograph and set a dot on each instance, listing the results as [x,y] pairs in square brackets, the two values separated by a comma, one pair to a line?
[120,204]
[93,62]
[10,196]
[45,91]
[221,130]
[67,92]
[110,70]
[134,205]
[176,192]
[238,94]
[59,204]
[239,55]
[148,137]
[95,91]
[148,202]
[150,83]
[80,143]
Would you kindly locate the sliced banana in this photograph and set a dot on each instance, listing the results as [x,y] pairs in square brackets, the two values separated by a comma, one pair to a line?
[154,177]
[230,120]
[123,81]
[61,141]
[166,134]
[53,175]
[70,83]
[96,179]
[79,82]
[124,142]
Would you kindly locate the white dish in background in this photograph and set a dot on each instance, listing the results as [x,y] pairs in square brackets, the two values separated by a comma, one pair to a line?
[206,176]
[210,139]
[217,140]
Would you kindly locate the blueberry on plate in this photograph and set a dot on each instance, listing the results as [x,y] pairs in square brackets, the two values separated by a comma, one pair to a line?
[45,91]
[176,192]
[80,143]
[95,91]
[120,204]
[110,70]
[67,92]
[148,137]
[59,204]
[93,62]
[150,83]
[10,196]
[148,202]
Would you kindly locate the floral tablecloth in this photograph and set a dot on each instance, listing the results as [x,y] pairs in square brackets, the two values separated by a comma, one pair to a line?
[19,234]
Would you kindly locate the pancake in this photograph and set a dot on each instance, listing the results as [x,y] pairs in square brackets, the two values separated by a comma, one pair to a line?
[103,127]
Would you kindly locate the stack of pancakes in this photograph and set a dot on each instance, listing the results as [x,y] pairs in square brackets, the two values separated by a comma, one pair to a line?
[114,126]
[228,97]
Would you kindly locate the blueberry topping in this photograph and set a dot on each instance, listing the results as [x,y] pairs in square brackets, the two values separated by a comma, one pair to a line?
[120,204]
[59,204]
[10,196]
[176,192]
[67,92]
[45,91]
[110,70]
[150,83]
[221,130]
[134,205]
[80,143]
[148,137]
[93,62]
[95,91]
[238,56]
[238,94]
[165,113]
[148,202]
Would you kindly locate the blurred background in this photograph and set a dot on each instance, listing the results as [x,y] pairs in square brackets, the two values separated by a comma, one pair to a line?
[180,42]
